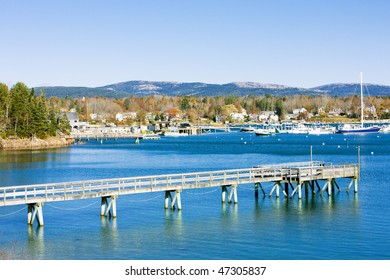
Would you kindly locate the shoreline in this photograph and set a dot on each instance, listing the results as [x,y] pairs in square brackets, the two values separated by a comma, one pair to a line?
[35,143]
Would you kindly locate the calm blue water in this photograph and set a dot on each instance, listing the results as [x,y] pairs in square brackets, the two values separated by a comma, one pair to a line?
[343,226]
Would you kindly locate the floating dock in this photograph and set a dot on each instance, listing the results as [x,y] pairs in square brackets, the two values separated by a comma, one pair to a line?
[289,179]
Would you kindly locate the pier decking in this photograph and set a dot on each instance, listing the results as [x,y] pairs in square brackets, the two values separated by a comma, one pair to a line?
[285,177]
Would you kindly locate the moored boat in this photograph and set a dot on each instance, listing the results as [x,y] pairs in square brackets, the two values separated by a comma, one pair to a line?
[318,130]
[265,131]
[359,128]
[247,129]
[349,129]
[151,137]
[298,129]
[174,133]
[385,128]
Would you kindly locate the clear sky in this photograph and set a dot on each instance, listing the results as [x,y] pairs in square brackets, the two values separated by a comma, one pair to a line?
[295,43]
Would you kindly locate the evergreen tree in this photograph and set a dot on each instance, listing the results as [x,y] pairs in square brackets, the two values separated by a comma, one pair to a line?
[23,114]
[5,101]
[184,104]
[20,111]
[39,117]
[280,110]
[62,124]
[53,123]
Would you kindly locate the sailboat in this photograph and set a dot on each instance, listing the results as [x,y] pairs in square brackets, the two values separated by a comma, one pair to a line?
[349,129]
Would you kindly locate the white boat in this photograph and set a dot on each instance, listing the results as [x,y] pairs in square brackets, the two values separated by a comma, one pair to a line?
[174,133]
[151,137]
[359,128]
[298,129]
[247,129]
[385,128]
[319,130]
[266,131]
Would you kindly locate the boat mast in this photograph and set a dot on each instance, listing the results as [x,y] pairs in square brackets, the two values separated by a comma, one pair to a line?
[361,99]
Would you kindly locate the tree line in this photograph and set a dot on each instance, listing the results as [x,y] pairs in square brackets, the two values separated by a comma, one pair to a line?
[195,108]
[24,114]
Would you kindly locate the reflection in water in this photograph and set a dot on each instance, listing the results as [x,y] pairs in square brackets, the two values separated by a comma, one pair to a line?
[19,158]
[229,215]
[354,201]
[36,244]
[325,206]
[174,223]
[109,233]
[15,166]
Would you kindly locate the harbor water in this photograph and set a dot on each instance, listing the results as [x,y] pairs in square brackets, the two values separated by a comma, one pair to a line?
[343,226]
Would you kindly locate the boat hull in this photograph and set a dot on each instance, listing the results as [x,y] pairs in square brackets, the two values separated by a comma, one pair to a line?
[265,133]
[359,130]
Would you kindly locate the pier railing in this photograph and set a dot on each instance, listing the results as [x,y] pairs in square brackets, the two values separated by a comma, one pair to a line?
[291,172]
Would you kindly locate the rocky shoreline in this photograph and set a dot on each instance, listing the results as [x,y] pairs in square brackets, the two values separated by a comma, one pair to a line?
[34,143]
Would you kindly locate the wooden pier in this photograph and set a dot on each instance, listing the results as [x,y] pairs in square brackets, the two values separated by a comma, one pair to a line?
[289,179]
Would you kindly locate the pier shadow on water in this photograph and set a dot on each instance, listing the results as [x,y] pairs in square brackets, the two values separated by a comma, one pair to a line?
[109,233]
[35,241]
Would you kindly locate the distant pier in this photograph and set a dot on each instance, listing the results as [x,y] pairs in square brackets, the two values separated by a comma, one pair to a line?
[288,179]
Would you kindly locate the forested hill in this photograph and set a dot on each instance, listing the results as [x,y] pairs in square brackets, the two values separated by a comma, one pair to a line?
[146,88]
[351,89]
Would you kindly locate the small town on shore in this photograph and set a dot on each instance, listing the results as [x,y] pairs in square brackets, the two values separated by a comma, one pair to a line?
[176,125]
[31,120]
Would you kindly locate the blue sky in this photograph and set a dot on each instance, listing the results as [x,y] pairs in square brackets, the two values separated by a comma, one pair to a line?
[94,43]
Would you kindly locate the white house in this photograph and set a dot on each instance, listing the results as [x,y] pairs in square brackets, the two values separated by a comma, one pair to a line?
[125,116]
[299,111]
[237,117]
[269,116]
[371,110]
[335,112]
[73,119]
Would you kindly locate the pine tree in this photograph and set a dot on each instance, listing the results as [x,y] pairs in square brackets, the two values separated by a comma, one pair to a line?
[4,108]
[24,114]
[53,122]
[39,119]
[20,111]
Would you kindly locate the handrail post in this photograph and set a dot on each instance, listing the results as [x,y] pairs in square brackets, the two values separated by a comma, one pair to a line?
[311,154]
[359,162]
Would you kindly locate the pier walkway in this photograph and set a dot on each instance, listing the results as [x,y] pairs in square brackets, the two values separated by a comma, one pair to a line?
[289,178]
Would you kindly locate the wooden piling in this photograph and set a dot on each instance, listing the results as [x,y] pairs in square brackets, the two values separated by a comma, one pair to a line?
[355,185]
[256,190]
[224,192]
[299,187]
[103,204]
[167,198]
[286,188]
[235,196]
[35,210]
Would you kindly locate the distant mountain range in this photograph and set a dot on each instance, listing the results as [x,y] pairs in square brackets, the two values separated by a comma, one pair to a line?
[147,88]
